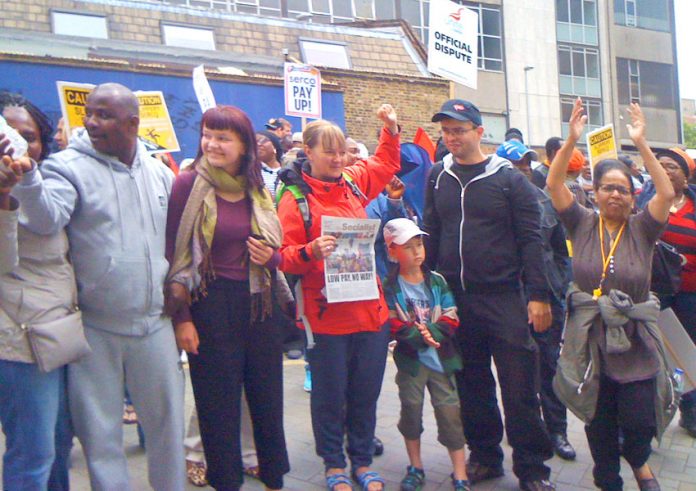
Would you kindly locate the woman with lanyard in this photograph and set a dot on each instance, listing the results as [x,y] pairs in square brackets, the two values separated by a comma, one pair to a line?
[222,239]
[612,314]
[349,355]
[681,233]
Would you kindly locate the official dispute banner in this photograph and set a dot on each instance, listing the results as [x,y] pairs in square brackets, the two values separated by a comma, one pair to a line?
[302,91]
[601,144]
[453,42]
[349,272]
[156,129]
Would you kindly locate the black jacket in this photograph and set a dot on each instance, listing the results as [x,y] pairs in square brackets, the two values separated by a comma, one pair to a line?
[482,236]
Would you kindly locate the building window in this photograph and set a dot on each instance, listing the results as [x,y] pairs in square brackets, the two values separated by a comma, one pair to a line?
[257,7]
[324,53]
[490,43]
[593,110]
[579,71]
[188,37]
[416,13]
[77,24]
[646,14]
[576,21]
[650,84]
[329,11]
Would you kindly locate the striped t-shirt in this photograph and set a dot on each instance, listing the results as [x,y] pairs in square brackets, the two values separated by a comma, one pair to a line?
[270,178]
[681,233]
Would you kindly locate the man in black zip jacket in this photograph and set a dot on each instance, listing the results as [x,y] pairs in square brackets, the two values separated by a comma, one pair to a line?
[484,224]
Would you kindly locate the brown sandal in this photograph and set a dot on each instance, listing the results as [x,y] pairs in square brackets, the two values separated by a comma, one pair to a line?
[252,472]
[196,473]
[129,415]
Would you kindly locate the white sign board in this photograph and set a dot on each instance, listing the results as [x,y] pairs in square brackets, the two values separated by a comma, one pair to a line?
[201,87]
[453,42]
[302,91]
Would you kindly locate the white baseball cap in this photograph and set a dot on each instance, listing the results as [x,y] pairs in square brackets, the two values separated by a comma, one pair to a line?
[400,230]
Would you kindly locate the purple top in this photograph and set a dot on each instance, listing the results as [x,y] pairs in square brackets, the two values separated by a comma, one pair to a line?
[229,250]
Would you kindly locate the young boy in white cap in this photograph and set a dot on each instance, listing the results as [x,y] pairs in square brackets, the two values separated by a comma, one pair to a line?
[423,318]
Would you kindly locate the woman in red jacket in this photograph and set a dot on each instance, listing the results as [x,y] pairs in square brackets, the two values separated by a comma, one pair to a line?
[347,360]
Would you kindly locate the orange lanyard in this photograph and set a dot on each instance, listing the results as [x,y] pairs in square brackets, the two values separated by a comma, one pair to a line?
[597,292]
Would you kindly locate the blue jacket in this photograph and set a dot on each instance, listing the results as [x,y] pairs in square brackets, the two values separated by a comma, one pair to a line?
[115,218]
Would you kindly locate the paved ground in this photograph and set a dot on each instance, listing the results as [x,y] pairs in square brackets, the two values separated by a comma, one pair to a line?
[674,461]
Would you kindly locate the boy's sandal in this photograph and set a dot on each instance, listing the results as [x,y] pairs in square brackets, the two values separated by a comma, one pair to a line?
[333,480]
[252,472]
[367,478]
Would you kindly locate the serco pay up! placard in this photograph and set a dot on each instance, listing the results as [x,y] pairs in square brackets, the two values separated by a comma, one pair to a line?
[302,91]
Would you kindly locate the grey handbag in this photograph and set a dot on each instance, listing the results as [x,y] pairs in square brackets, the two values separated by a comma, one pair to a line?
[58,342]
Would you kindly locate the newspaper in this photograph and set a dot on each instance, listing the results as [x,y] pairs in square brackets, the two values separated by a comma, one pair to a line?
[349,272]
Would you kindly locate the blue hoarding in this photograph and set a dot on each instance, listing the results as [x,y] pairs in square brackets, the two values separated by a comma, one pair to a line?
[37,82]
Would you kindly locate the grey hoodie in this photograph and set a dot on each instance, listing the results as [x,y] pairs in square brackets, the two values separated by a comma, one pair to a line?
[115,217]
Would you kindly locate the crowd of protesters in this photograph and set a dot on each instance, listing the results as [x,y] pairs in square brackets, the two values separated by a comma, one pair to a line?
[503,259]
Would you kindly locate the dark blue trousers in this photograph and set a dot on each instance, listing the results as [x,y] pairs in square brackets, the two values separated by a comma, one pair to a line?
[347,373]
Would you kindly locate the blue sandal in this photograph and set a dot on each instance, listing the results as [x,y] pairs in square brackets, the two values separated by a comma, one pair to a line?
[367,478]
[333,480]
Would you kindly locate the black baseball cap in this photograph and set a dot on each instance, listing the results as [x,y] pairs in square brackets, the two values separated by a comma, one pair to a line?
[274,124]
[460,110]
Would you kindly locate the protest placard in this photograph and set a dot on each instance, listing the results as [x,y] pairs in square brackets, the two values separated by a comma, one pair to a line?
[350,273]
[681,351]
[601,144]
[201,87]
[156,127]
[73,98]
[302,91]
[453,42]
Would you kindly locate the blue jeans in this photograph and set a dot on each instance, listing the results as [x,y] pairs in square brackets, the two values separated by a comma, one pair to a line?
[347,373]
[36,423]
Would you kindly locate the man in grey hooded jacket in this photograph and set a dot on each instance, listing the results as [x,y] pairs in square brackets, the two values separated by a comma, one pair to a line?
[112,199]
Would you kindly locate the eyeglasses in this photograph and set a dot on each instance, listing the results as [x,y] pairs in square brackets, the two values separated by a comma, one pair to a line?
[610,188]
[456,131]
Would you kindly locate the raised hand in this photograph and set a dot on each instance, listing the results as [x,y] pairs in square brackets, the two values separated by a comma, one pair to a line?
[395,188]
[577,122]
[10,173]
[388,116]
[636,128]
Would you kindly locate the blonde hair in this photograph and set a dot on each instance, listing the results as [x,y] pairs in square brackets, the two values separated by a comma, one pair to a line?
[324,133]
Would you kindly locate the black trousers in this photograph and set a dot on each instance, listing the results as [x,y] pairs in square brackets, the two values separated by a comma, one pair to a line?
[495,325]
[233,353]
[549,343]
[627,407]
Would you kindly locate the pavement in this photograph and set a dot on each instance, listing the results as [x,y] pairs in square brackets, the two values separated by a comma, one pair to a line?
[673,461]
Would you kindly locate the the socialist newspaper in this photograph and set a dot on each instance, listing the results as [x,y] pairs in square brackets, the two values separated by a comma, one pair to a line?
[350,271]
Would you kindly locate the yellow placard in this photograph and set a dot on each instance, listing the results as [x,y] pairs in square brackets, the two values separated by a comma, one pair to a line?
[73,98]
[601,144]
[156,127]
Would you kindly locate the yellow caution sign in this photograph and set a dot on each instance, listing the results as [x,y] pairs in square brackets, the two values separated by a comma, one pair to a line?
[601,144]
[73,98]
[156,127]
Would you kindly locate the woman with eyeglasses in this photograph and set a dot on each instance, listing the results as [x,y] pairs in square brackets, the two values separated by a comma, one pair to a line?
[612,373]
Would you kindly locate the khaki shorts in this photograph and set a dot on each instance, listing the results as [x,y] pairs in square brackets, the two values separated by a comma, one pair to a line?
[445,401]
